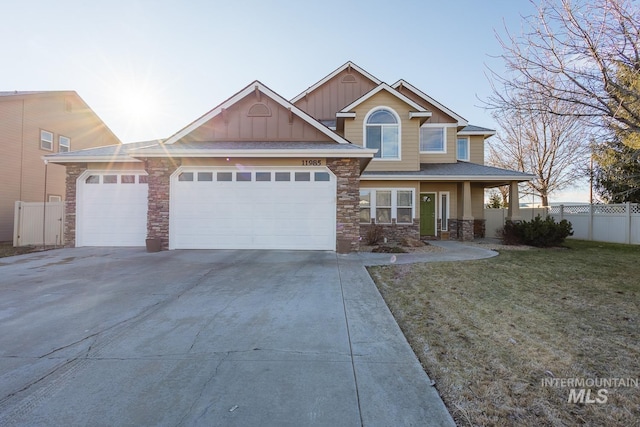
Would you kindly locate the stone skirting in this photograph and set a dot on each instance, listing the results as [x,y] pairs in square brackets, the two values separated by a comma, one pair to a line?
[347,172]
[159,171]
[74,170]
[479,228]
[393,232]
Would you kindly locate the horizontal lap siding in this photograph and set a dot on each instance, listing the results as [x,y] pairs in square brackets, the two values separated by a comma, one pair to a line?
[354,132]
[476,149]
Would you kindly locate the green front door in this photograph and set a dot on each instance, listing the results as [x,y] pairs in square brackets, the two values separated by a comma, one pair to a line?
[428,214]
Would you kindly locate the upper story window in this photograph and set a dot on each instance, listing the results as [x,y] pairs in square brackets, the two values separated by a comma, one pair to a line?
[46,140]
[463,148]
[382,131]
[64,144]
[432,139]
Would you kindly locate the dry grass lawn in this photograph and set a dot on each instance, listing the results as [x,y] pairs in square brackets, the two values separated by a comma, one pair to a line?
[488,332]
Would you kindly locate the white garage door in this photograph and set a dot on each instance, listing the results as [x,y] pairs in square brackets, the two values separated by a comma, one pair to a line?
[256,209]
[111,209]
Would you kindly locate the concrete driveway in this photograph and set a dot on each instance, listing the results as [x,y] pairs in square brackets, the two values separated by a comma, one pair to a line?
[118,336]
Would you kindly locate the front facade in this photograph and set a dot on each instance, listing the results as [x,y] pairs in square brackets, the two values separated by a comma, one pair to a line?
[262,172]
[34,124]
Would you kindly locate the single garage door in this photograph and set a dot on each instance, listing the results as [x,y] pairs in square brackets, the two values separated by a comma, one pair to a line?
[111,209]
[253,209]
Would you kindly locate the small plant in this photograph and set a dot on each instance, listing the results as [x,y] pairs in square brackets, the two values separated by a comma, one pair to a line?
[375,233]
[389,250]
[537,232]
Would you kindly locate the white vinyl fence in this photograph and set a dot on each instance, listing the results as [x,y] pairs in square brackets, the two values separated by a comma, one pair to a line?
[29,222]
[616,223]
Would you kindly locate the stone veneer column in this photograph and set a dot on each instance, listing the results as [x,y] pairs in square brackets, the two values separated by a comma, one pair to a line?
[73,170]
[159,180]
[347,172]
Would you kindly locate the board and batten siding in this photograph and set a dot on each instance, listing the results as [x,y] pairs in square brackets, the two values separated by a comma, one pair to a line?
[354,132]
[335,94]
[256,119]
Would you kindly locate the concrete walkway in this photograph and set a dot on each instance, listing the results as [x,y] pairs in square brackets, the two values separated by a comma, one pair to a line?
[118,336]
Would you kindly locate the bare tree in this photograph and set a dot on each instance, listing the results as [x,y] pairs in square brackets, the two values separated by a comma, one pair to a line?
[554,148]
[580,45]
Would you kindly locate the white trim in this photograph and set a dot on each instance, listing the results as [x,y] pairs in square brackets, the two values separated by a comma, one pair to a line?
[60,145]
[364,133]
[444,226]
[487,133]
[458,138]
[380,87]
[88,159]
[42,132]
[413,114]
[332,75]
[461,120]
[442,126]
[373,204]
[447,178]
[245,92]
[346,115]
[263,153]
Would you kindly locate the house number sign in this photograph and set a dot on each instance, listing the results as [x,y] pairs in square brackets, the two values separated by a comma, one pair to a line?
[312,162]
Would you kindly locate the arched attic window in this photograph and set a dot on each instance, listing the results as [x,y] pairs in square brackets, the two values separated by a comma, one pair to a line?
[382,131]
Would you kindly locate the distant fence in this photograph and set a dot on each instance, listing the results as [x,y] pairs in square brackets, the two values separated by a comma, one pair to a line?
[615,223]
[29,221]
[495,218]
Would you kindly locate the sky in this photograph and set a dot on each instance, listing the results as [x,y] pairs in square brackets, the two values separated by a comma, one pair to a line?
[150,67]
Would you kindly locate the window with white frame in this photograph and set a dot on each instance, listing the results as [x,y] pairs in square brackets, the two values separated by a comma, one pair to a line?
[432,139]
[46,140]
[64,144]
[444,211]
[387,204]
[463,148]
[382,131]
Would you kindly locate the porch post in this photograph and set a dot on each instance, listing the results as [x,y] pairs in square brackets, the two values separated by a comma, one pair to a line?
[467,213]
[466,201]
[514,202]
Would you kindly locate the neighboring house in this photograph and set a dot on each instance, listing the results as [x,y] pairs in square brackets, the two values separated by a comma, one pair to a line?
[315,172]
[33,124]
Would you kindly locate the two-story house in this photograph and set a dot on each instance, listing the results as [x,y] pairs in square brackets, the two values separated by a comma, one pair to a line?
[33,124]
[259,171]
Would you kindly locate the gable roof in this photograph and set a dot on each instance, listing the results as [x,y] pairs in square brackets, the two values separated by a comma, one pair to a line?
[461,120]
[347,65]
[420,110]
[458,171]
[256,85]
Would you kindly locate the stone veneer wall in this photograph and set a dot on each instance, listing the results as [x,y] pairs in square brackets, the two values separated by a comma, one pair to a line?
[465,229]
[394,232]
[159,180]
[479,228]
[74,170]
[347,172]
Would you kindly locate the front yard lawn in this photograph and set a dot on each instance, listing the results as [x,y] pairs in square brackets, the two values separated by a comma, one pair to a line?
[490,332]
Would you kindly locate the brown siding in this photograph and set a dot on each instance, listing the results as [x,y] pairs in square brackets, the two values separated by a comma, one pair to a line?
[340,91]
[438,116]
[449,156]
[22,169]
[354,132]
[241,123]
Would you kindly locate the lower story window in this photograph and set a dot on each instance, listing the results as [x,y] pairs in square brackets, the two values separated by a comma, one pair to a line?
[385,205]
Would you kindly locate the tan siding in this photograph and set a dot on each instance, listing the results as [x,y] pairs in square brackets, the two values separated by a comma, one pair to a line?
[236,124]
[22,169]
[476,149]
[354,132]
[477,201]
[328,99]
[245,162]
[449,156]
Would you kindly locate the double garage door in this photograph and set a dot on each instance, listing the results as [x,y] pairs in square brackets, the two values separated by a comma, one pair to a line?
[213,208]
[252,209]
